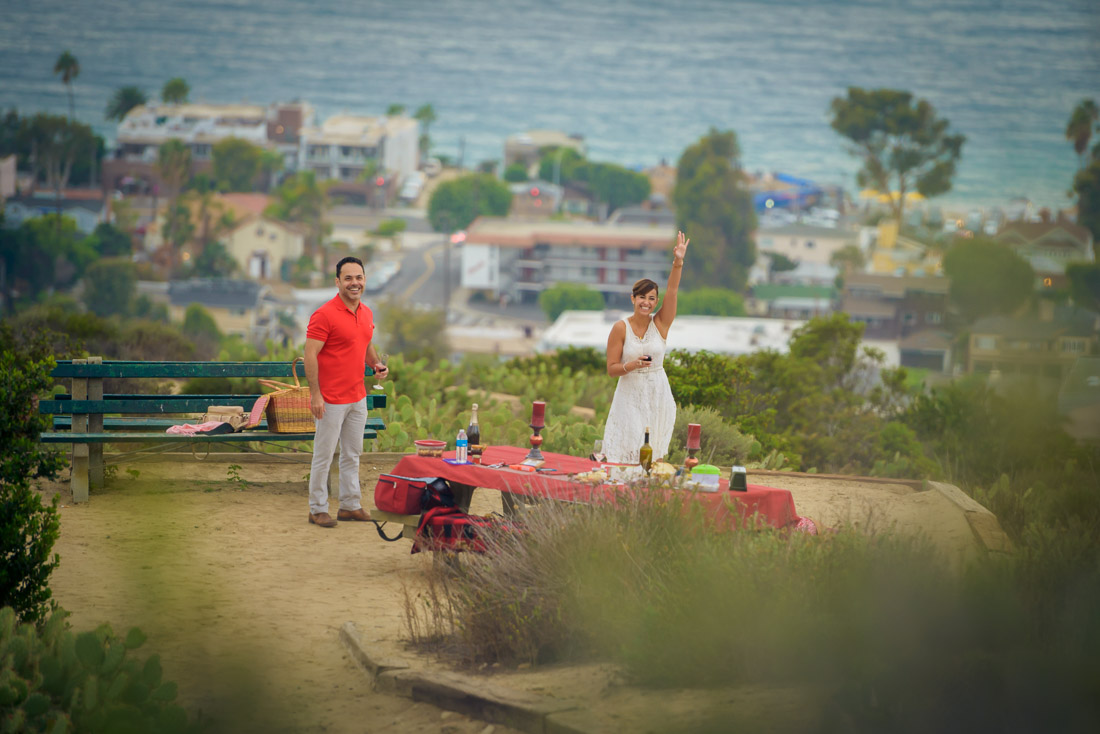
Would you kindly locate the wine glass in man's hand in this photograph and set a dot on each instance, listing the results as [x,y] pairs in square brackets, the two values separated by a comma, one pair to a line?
[381,358]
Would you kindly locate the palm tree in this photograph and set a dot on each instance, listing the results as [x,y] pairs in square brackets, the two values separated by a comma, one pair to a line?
[302,198]
[123,100]
[1080,126]
[394,110]
[271,163]
[175,91]
[426,115]
[174,165]
[174,169]
[69,68]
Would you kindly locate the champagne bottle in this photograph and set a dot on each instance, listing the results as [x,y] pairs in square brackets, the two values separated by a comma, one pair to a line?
[473,431]
[645,454]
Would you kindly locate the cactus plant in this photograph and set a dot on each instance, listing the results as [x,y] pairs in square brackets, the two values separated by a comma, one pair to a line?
[52,680]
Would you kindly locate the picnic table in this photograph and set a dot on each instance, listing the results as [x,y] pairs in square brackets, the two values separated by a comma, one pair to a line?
[769,505]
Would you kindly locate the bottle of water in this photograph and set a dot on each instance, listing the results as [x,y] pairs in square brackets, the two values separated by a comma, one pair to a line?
[461,446]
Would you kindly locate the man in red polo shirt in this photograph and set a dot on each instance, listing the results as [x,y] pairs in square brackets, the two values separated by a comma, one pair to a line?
[338,349]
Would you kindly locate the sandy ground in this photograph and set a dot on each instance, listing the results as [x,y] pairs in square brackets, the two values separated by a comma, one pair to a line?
[244,599]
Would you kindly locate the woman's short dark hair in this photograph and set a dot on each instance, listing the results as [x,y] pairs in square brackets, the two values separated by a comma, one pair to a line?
[347,260]
[643,286]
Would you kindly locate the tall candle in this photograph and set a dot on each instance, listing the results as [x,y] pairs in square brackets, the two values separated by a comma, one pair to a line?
[538,414]
[693,435]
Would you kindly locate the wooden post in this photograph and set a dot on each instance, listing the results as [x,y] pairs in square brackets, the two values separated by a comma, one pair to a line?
[78,479]
[95,425]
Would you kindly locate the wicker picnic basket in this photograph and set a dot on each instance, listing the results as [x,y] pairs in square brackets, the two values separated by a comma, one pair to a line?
[288,407]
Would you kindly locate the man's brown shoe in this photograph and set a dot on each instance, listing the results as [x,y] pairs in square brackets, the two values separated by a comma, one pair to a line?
[323,519]
[361,515]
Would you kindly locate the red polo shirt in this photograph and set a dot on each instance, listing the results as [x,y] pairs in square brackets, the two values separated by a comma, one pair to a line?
[343,359]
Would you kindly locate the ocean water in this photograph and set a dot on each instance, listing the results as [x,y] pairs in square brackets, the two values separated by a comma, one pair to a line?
[639,79]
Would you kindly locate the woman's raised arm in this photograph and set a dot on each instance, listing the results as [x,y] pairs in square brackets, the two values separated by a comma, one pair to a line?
[665,316]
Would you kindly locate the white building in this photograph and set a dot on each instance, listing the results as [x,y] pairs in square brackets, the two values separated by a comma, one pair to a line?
[717,334]
[87,208]
[146,127]
[344,145]
[201,126]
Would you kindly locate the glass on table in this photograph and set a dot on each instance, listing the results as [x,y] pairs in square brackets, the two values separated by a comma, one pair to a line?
[383,359]
[597,451]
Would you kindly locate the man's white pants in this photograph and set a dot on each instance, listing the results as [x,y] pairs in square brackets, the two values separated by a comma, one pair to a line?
[343,423]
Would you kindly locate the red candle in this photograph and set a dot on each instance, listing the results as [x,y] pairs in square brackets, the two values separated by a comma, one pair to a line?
[693,435]
[538,414]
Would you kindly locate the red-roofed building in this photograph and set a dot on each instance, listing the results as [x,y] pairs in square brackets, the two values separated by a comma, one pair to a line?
[522,258]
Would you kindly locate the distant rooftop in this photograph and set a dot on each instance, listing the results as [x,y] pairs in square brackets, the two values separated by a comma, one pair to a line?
[215,293]
[355,130]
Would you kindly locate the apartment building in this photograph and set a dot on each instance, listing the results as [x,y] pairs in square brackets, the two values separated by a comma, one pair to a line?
[344,145]
[521,258]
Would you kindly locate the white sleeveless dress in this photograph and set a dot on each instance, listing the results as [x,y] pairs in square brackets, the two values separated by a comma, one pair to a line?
[642,398]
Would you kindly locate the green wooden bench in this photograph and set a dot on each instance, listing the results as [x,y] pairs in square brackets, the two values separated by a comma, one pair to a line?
[87,419]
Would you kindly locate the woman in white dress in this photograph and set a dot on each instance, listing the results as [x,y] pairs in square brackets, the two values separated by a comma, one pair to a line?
[635,354]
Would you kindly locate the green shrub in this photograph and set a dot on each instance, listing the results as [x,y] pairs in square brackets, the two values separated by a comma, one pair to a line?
[54,680]
[720,443]
[28,529]
[569,297]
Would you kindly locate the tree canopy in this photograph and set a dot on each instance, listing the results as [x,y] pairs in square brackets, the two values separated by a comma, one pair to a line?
[425,114]
[54,144]
[174,165]
[302,198]
[987,278]
[1086,184]
[714,207]
[569,297]
[1084,284]
[612,184]
[457,203]
[123,100]
[1079,129]
[175,91]
[110,286]
[237,163]
[902,145]
[710,302]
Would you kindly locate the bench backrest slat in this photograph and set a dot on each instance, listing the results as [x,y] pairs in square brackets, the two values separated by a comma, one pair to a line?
[120,368]
[165,404]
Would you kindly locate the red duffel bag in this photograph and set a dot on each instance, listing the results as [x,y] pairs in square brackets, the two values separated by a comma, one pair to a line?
[400,495]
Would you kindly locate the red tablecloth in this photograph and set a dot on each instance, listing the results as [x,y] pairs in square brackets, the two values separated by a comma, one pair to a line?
[774,506]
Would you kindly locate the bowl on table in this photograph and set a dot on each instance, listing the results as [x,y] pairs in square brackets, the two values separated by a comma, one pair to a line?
[429,447]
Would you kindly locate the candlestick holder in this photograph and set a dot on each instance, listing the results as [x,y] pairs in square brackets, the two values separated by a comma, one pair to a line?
[691,462]
[534,456]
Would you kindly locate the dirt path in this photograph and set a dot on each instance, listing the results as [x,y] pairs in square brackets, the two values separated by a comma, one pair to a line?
[243,599]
